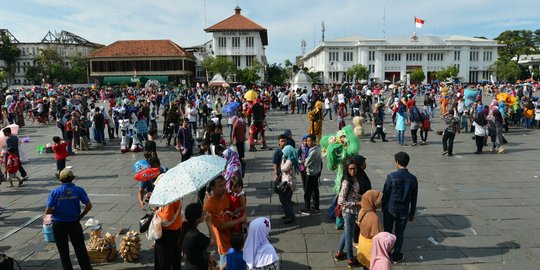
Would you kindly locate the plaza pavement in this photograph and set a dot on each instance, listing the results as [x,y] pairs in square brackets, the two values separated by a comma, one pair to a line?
[474,211]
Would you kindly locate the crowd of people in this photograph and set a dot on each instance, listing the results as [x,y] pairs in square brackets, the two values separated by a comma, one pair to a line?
[193,120]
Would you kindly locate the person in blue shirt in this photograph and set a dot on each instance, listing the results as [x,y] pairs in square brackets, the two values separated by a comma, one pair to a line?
[64,206]
[399,202]
[184,140]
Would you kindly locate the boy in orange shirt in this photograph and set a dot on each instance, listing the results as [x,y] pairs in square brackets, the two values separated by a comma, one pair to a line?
[217,205]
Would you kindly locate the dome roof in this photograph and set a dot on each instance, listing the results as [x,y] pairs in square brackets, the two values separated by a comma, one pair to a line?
[301,77]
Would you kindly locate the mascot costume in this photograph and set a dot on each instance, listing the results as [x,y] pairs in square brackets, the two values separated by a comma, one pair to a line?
[128,117]
[337,149]
[316,120]
[445,99]
[470,95]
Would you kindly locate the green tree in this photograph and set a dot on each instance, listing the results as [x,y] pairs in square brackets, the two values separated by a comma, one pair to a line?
[417,75]
[250,75]
[506,70]
[77,73]
[516,43]
[34,74]
[448,72]
[51,65]
[277,75]
[221,65]
[9,53]
[359,70]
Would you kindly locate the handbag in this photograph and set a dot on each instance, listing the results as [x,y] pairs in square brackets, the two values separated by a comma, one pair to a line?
[281,187]
[144,222]
[154,230]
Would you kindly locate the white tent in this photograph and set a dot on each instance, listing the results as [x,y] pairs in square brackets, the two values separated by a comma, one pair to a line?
[218,81]
[301,80]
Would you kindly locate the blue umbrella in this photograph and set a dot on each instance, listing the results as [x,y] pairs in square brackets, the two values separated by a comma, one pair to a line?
[230,108]
[186,178]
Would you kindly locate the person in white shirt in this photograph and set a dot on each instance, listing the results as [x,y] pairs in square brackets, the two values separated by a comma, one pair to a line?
[280,99]
[285,102]
[327,107]
[304,98]
[191,112]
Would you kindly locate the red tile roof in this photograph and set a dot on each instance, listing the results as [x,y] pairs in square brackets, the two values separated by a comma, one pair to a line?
[238,22]
[141,48]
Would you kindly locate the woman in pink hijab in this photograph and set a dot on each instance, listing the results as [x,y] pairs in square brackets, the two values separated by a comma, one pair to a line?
[383,243]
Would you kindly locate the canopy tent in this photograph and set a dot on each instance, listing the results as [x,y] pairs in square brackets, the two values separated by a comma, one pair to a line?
[218,80]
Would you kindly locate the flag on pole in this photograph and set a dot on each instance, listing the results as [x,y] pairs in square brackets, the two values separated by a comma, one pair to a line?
[418,22]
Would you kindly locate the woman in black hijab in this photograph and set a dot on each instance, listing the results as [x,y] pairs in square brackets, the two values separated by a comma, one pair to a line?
[480,132]
[363,182]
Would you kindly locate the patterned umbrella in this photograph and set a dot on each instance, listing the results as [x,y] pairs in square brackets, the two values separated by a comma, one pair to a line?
[186,178]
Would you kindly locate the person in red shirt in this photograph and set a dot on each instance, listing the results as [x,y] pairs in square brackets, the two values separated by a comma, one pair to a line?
[60,153]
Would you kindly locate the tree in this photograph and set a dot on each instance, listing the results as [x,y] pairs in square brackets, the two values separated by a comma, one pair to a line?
[448,72]
[277,75]
[517,43]
[250,75]
[34,74]
[51,65]
[9,53]
[359,70]
[78,71]
[315,76]
[417,76]
[506,70]
[221,65]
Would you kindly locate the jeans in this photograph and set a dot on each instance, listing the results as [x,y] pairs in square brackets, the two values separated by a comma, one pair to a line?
[286,203]
[326,111]
[70,231]
[193,126]
[479,143]
[448,141]
[401,136]
[423,135]
[414,135]
[396,224]
[345,242]
[99,135]
[312,190]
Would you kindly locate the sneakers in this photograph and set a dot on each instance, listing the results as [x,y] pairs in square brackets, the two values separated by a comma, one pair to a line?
[397,257]
[384,140]
[315,211]
[264,147]
[373,141]
[353,263]
[444,153]
[340,256]
[305,212]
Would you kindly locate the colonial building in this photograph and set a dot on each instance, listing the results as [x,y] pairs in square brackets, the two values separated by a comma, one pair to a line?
[240,39]
[391,58]
[67,44]
[134,61]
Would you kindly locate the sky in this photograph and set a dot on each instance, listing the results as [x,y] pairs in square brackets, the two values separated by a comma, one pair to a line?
[288,21]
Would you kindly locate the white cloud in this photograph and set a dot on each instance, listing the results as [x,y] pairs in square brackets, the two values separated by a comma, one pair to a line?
[288,22]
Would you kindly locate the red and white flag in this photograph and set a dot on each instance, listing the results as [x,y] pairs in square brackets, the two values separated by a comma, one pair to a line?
[418,22]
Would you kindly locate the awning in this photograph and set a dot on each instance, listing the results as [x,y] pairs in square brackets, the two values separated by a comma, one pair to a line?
[134,80]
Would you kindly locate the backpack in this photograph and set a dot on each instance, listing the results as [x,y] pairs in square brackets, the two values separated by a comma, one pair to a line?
[426,124]
[12,165]
[414,115]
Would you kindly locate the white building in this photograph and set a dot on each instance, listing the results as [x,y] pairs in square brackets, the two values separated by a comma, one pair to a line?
[391,58]
[238,38]
[67,44]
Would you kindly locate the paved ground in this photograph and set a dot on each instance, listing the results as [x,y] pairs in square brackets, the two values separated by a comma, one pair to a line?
[475,211]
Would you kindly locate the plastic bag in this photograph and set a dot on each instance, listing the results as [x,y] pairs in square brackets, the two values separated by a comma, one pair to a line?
[154,231]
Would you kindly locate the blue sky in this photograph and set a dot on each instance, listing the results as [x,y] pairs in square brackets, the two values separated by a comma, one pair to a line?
[287,21]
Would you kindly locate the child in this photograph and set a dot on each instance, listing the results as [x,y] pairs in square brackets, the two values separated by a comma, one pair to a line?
[383,243]
[237,199]
[84,133]
[369,224]
[12,167]
[235,260]
[60,150]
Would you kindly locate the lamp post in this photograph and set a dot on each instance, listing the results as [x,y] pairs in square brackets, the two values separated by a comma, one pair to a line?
[532,72]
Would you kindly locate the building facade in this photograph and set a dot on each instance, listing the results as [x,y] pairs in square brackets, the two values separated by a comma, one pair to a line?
[391,58]
[240,39]
[136,61]
[67,44]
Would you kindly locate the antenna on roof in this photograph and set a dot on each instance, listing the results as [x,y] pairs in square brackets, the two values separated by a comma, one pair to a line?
[322,30]
[303,47]
[384,22]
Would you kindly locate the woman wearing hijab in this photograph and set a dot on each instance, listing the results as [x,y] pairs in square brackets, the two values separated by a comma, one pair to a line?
[365,185]
[496,130]
[383,243]
[480,132]
[400,124]
[259,254]
[369,223]
[289,168]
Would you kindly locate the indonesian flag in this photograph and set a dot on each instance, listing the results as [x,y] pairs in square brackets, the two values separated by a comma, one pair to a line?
[418,22]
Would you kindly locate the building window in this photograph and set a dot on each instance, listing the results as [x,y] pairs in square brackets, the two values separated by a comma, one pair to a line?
[457,55]
[236,60]
[236,42]
[222,42]
[333,56]
[347,56]
[249,60]
[392,57]
[371,56]
[371,68]
[250,42]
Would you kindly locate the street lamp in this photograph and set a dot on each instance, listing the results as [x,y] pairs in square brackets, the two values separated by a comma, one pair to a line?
[532,72]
